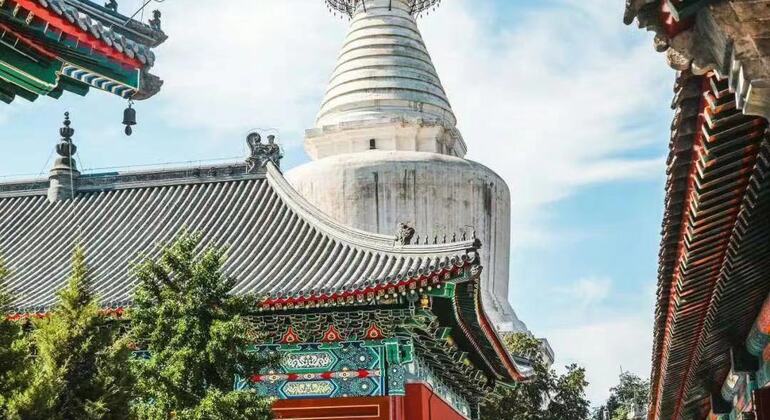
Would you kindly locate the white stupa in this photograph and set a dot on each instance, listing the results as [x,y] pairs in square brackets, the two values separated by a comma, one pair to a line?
[386,149]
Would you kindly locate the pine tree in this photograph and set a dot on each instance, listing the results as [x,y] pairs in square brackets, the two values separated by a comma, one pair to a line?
[196,339]
[80,367]
[13,351]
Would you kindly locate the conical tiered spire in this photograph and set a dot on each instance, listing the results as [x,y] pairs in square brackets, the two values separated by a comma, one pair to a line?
[384,70]
[385,83]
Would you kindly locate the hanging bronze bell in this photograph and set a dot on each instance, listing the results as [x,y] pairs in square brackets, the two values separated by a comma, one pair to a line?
[129,119]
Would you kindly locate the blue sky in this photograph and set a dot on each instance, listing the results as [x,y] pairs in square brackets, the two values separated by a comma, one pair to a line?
[566,103]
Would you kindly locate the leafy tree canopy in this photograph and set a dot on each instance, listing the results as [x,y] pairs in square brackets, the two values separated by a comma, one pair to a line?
[78,370]
[196,339]
[547,396]
[631,394]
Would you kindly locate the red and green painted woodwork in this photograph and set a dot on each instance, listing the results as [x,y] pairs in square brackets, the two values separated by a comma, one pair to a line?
[333,370]
[750,371]
[376,368]
[368,351]
[758,344]
[735,397]
[45,53]
[759,337]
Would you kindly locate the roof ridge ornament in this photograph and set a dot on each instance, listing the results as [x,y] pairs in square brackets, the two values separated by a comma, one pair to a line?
[111,5]
[261,153]
[405,234]
[155,22]
[64,173]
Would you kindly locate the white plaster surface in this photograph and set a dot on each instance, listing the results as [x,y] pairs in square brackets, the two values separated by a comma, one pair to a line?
[386,93]
[436,194]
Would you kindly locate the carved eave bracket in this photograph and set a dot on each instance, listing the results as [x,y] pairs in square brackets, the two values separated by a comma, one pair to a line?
[149,86]
[726,37]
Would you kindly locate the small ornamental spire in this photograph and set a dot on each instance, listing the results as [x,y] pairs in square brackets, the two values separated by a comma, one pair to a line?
[397,101]
[64,173]
[66,148]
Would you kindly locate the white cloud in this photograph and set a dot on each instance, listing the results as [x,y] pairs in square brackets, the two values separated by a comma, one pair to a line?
[243,64]
[590,291]
[604,348]
[553,92]
[602,329]
[547,101]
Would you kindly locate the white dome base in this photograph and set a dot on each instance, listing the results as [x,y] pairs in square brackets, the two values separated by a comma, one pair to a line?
[436,194]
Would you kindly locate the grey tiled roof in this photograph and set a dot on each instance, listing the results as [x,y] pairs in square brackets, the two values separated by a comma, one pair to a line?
[118,41]
[278,243]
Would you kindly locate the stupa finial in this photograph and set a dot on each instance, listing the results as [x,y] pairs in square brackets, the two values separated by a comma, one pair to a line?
[349,7]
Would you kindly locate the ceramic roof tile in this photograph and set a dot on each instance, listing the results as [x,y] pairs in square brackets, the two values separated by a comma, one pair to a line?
[279,245]
[115,40]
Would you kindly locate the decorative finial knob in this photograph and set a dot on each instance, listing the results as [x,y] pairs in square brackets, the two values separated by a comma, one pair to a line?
[65,147]
[66,132]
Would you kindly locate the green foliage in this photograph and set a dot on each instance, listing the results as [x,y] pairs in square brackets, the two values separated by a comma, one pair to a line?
[547,396]
[631,392]
[79,367]
[13,351]
[197,340]
[568,400]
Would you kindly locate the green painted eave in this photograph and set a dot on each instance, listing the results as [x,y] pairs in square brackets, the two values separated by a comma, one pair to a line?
[38,76]
[32,73]
[69,50]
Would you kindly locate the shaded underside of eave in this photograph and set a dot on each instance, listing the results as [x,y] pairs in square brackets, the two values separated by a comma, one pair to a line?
[679,10]
[712,253]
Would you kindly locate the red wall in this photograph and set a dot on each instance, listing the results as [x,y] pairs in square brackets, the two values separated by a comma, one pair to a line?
[419,404]
[367,408]
[422,404]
